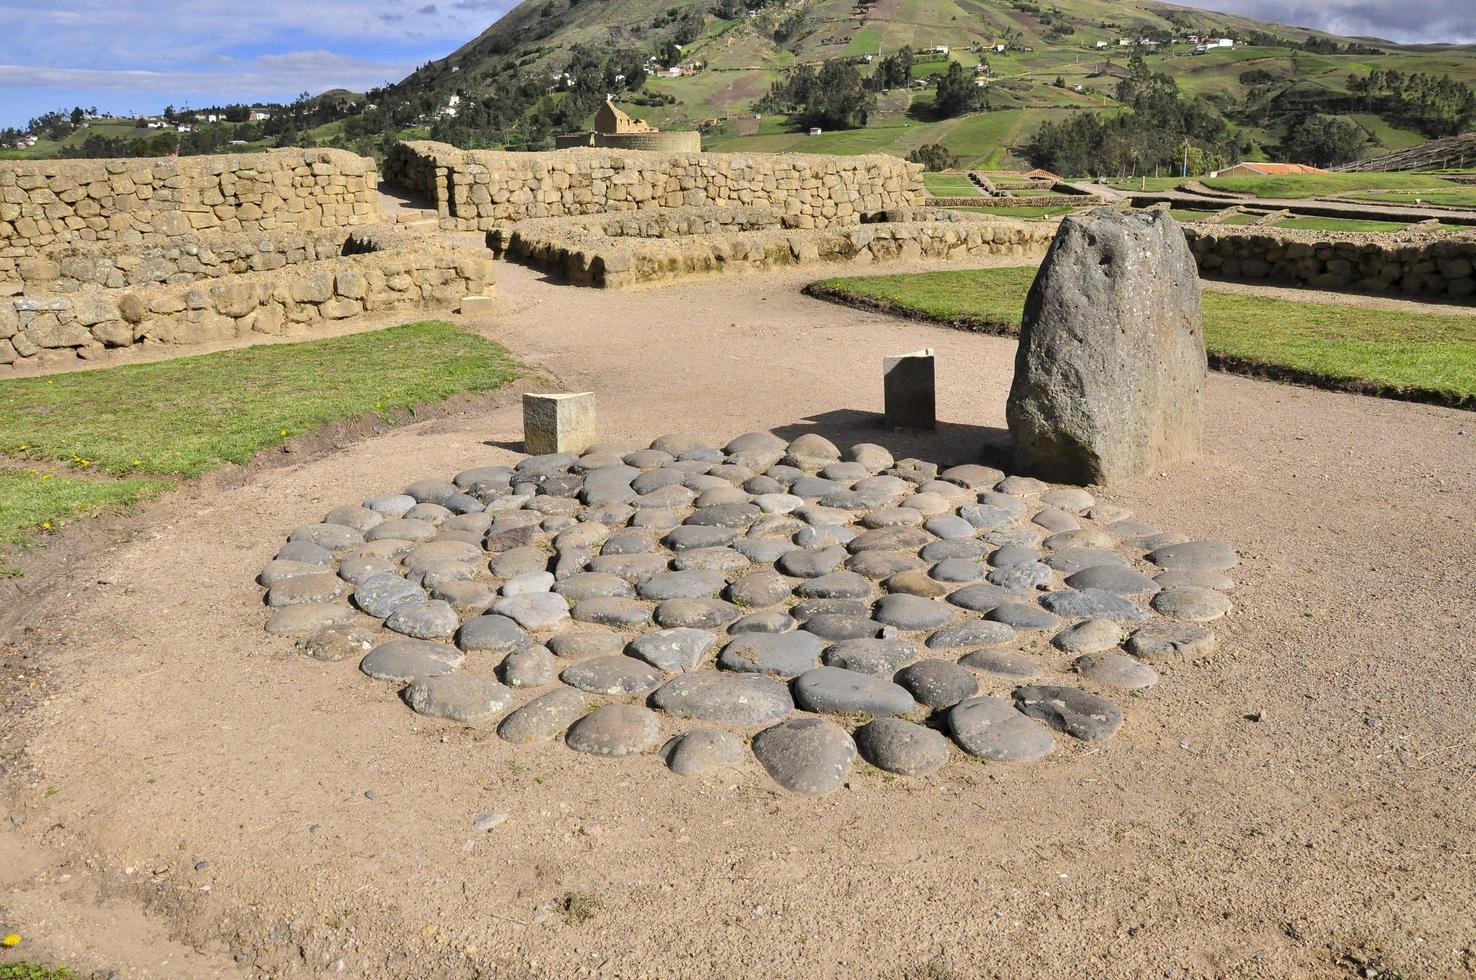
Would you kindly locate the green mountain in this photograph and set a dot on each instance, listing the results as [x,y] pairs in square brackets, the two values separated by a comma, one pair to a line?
[1061,58]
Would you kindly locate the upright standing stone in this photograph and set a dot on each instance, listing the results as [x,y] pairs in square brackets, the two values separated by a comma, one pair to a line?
[1109,376]
[562,423]
[907,383]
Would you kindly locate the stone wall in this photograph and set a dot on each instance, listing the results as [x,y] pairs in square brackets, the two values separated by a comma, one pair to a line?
[56,330]
[50,203]
[480,189]
[1410,264]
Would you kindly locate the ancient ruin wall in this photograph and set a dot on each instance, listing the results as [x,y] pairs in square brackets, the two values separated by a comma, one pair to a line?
[1426,265]
[476,190]
[45,204]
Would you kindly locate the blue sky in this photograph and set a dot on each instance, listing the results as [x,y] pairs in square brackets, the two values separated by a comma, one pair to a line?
[139,55]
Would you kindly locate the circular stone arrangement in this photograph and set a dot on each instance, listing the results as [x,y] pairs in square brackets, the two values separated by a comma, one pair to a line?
[783,596]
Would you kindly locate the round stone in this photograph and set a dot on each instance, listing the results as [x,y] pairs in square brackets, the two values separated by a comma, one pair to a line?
[971,548]
[1114,669]
[307,618]
[356,568]
[985,596]
[632,568]
[429,620]
[545,716]
[972,476]
[884,564]
[1035,575]
[910,612]
[467,598]
[700,752]
[823,536]
[615,729]
[731,699]
[492,633]
[1092,604]
[436,551]
[1022,616]
[871,456]
[809,608]
[880,658]
[957,570]
[1022,486]
[991,729]
[1005,663]
[987,517]
[612,612]
[591,585]
[1091,636]
[937,683]
[1164,642]
[278,569]
[949,527]
[360,519]
[772,621]
[902,747]
[1070,710]
[778,654]
[334,643]
[401,529]
[1215,556]
[761,588]
[333,537]
[932,504]
[407,661]
[1188,604]
[617,674]
[893,517]
[972,633]
[690,536]
[380,595]
[1073,499]
[707,614]
[724,515]
[674,650]
[1069,561]
[534,610]
[836,585]
[519,561]
[300,589]
[812,562]
[688,584]
[528,582]
[457,697]
[832,690]
[842,626]
[763,550]
[1055,520]
[529,667]
[808,756]
[396,505]
[915,581]
[889,539]
[676,443]
[1112,578]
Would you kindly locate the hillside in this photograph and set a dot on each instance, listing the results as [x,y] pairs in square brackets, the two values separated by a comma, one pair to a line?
[1257,87]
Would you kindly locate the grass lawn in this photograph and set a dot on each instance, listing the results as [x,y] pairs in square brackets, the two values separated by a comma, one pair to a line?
[1428,357]
[146,425]
[1312,223]
[1317,185]
[950,185]
[1008,212]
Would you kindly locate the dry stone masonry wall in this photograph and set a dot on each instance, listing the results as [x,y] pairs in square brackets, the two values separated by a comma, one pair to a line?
[476,190]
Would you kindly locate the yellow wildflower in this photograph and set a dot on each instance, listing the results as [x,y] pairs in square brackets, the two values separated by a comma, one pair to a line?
[10,941]
[46,525]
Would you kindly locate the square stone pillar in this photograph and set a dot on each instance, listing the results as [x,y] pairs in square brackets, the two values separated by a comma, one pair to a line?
[563,423]
[908,388]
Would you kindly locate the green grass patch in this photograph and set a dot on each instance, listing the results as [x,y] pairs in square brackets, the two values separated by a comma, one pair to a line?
[1315,223]
[1319,185]
[950,185]
[1008,212]
[1454,196]
[1429,357]
[184,416]
[34,971]
[1184,214]
[39,502]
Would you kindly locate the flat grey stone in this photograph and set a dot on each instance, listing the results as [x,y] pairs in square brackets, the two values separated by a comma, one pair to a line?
[545,716]
[519,561]
[690,536]
[1055,520]
[1112,669]
[1090,636]
[761,588]
[894,745]
[880,658]
[395,505]
[957,570]
[984,596]
[972,476]
[381,595]
[360,519]
[824,536]
[1189,604]
[534,611]
[300,589]
[306,618]
[840,626]
[1072,560]
[1071,710]
[706,614]
[632,568]
[432,552]
[1164,642]
[877,564]
[615,730]
[910,612]
[699,752]
[337,642]
[723,515]
[733,699]
[893,517]
[914,581]
[592,585]
[689,584]
[890,539]
[954,548]
[763,550]
[467,598]
[771,621]
[1112,578]
[410,660]
[937,683]
[991,729]
[1005,663]
[617,674]
[1023,616]
[333,537]
[612,612]
[778,654]
[429,620]
[808,756]
[279,569]
[836,585]
[674,650]
[1214,556]
[457,697]
[807,609]
[812,562]
[949,526]
[528,582]
[582,644]
[1012,555]
[493,633]
[529,667]
[987,517]
[402,529]
[1093,604]
[1035,575]
[973,633]
[832,690]
[431,491]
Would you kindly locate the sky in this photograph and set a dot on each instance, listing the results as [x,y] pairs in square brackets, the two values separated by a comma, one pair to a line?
[139,55]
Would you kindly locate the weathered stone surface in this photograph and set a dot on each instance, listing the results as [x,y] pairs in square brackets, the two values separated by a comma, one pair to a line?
[1005,663]
[832,690]
[584,643]
[493,633]
[612,611]
[407,661]
[937,683]
[808,756]
[429,620]
[558,423]
[1112,578]
[992,729]
[674,650]
[1191,604]
[901,746]
[1092,604]
[1022,616]
[911,612]
[616,674]
[337,642]
[973,633]
[1110,371]
[733,699]
[1213,556]
[706,614]
[761,588]
[306,618]
[842,626]
[545,716]
[615,729]
[530,666]
[534,610]
[870,656]
[778,654]
[380,595]
[1113,669]
[311,587]
[1071,710]
[1091,636]
[457,697]
[1161,642]
[700,752]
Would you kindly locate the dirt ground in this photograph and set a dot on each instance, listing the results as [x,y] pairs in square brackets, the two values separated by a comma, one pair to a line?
[185,796]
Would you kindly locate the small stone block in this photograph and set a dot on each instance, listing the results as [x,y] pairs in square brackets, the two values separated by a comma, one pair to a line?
[562,423]
[907,382]
[478,306]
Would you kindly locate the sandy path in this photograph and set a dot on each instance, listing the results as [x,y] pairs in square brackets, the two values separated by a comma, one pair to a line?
[1334,832]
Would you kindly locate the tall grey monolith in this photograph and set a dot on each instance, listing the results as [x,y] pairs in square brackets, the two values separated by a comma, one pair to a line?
[1109,376]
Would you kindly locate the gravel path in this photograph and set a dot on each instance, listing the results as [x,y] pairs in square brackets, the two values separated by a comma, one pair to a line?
[1299,803]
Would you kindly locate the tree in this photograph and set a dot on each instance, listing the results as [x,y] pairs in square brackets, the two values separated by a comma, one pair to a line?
[934,156]
[957,93]
[835,97]
[1324,141]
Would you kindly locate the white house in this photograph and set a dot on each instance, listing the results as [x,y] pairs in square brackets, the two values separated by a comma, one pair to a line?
[939,49]
[1100,45]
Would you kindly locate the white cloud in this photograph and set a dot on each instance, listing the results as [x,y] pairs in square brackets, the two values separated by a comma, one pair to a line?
[1429,22]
